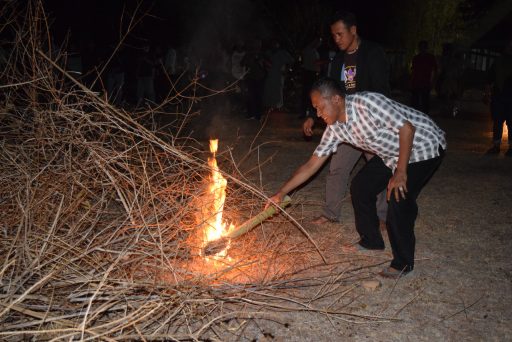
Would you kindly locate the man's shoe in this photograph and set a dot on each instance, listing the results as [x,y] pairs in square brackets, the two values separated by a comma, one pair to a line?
[495,149]
[354,248]
[392,273]
[320,220]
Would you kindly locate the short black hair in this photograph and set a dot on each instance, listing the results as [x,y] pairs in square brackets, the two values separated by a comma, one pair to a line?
[348,18]
[328,87]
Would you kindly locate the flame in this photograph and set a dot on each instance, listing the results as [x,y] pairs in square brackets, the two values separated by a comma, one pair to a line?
[215,227]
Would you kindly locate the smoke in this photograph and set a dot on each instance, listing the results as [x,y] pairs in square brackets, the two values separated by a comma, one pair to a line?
[210,30]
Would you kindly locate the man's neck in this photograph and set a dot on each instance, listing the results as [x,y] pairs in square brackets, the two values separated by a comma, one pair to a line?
[342,116]
[354,47]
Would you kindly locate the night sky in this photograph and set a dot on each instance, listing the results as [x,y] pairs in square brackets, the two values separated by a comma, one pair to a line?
[177,22]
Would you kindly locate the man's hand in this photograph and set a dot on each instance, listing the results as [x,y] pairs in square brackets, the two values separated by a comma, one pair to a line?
[277,198]
[307,127]
[300,175]
[398,185]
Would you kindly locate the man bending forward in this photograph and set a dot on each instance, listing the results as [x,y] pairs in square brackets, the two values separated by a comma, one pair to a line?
[408,148]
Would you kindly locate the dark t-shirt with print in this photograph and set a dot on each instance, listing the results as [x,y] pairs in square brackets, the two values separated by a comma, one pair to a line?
[350,72]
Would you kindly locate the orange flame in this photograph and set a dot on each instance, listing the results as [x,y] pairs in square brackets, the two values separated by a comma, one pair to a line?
[215,227]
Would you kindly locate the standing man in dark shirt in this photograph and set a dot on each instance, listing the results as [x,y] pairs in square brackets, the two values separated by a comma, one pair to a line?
[360,65]
[423,73]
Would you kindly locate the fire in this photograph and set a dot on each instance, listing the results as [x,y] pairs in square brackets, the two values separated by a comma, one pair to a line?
[215,227]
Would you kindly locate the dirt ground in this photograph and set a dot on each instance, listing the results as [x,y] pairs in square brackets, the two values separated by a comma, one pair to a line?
[461,288]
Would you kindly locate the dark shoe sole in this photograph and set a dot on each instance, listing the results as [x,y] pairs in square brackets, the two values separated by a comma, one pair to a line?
[322,220]
[392,273]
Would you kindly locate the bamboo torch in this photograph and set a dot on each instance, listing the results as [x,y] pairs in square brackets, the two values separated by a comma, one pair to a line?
[214,247]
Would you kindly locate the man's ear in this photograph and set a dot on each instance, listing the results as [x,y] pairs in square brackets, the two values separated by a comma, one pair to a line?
[336,99]
[353,29]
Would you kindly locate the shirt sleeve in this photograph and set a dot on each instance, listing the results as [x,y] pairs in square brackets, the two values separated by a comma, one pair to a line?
[328,144]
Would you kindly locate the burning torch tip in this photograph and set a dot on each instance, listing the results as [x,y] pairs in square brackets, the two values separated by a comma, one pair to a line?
[214,247]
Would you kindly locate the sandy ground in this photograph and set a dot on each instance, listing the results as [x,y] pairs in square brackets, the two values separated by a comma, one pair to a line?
[461,288]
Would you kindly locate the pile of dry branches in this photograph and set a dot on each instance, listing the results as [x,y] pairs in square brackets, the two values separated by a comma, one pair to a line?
[98,218]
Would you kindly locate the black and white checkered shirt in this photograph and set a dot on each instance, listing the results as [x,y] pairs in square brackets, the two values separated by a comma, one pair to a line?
[373,121]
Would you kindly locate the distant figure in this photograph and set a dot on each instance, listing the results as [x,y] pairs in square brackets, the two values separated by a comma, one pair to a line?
[3,57]
[448,83]
[274,82]
[170,61]
[115,78]
[501,100]
[90,61]
[424,70]
[254,61]
[145,77]
[238,72]
[237,69]
[310,70]
[218,63]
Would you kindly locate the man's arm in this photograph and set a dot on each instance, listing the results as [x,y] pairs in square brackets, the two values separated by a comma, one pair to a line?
[301,175]
[398,183]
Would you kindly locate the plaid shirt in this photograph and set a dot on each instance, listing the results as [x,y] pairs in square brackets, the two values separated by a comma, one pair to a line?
[373,121]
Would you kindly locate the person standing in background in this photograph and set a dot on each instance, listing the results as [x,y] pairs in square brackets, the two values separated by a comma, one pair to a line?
[360,65]
[310,70]
[145,77]
[423,74]
[273,88]
[254,61]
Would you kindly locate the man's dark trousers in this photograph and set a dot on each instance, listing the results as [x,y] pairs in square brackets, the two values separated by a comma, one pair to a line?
[367,184]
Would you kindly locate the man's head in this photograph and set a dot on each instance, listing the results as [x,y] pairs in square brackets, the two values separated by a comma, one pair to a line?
[423,46]
[328,98]
[508,48]
[344,30]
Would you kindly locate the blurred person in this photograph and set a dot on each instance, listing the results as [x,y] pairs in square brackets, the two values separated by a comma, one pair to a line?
[238,72]
[237,69]
[170,61]
[360,65]
[310,71]
[423,74]
[90,61]
[448,83]
[278,58]
[4,55]
[407,146]
[254,61]
[116,77]
[145,73]
[501,99]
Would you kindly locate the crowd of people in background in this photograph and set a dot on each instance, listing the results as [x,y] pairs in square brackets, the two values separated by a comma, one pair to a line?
[263,75]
